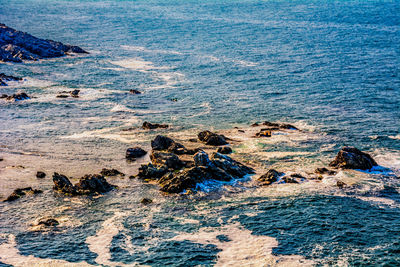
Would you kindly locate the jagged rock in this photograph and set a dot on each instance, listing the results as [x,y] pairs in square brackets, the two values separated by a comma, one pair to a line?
[134,153]
[264,133]
[224,150]
[146,201]
[18,97]
[166,159]
[352,158]
[201,159]
[40,174]
[150,126]
[149,171]
[134,92]
[16,46]
[212,139]
[162,142]
[48,222]
[324,171]
[232,167]
[187,179]
[93,184]
[269,177]
[111,172]
[20,192]
[5,78]
[88,185]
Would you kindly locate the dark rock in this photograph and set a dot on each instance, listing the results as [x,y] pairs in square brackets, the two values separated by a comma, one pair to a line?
[149,171]
[174,99]
[18,97]
[232,167]
[270,124]
[3,96]
[16,46]
[269,177]
[255,124]
[288,127]
[6,78]
[40,174]
[187,179]
[352,158]
[341,184]
[146,201]
[62,184]
[62,96]
[296,175]
[290,179]
[212,139]
[165,143]
[134,153]
[224,150]
[20,192]
[150,126]
[324,171]
[48,222]
[201,159]
[93,184]
[134,92]
[166,159]
[75,93]
[1,159]
[111,172]
[264,133]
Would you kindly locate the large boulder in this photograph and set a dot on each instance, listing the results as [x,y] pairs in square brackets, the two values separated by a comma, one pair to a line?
[63,184]
[352,158]
[16,46]
[91,184]
[212,139]
[162,142]
[187,179]
[269,177]
[166,159]
[231,166]
[135,152]
[149,171]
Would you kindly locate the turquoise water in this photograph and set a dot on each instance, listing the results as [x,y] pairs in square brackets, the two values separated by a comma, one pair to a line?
[332,68]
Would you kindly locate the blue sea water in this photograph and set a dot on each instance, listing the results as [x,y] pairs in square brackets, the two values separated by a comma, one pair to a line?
[332,68]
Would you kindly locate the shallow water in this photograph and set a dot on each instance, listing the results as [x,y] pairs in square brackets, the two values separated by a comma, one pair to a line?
[330,68]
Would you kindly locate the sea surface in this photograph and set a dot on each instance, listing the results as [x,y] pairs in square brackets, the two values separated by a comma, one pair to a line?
[331,68]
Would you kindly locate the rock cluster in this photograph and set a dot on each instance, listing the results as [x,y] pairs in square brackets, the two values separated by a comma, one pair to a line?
[16,46]
[6,78]
[91,184]
[175,175]
[15,97]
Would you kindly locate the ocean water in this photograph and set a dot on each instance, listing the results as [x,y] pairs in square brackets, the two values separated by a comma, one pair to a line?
[331,68]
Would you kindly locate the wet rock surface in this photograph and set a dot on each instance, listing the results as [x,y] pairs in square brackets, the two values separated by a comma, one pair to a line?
[40,174]
[135,152]
[324,170]
[91,184]
[49,222]
[16,97]
[111,172]
[16,46]
[224,150]
[212,139]
[7,78]
[352,158]
[134,92]
[162,142]
[269,177]
[151,126]
[20,192]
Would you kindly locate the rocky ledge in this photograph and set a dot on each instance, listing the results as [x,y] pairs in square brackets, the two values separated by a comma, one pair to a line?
[91,184]
[176,175]
[16,46]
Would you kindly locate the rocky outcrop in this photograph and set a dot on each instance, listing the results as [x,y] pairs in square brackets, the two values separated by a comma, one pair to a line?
[161,143]
[16,46]
[6,78]
[150,126]
[212,139]
[111,172]
[15,97]
[20,192]
[352,158]
[134,153]
[170,160]
[269,177]
[91,184]
[149,171]
[134,92]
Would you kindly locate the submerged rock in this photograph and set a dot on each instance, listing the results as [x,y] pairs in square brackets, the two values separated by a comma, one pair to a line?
[48,222]
[16,46]
[150,126]
[40,174]
[111,172]
[20,192]
[17,97]
[352,158]
[146,201]
[324,171]
[91,184]
[269,177]
[6,78]
[75,93]
[212,139]
[134,92]
[288,126]
[224,150]
[134,153]
[62,96]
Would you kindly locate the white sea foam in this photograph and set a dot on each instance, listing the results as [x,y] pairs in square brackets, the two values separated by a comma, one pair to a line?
[9,254]
[396,137]
[146,50]
[137,64]
[121,108]
[242,248]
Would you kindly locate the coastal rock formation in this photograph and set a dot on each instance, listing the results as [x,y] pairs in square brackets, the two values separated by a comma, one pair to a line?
[16,46]
[269,177]
[352,158]
[149,171]
[134,153]
[91,184]
[212,139]
[16,97]
[111,172]
[6,78]
[150,126]
[20,192]
[165,143]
